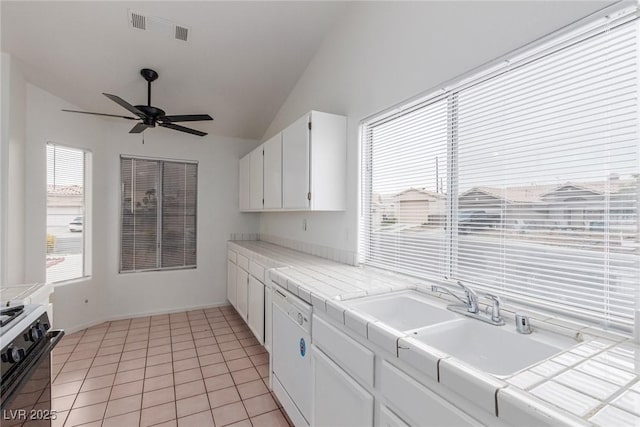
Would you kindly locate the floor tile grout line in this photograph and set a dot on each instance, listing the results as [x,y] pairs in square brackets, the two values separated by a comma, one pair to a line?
[202,319]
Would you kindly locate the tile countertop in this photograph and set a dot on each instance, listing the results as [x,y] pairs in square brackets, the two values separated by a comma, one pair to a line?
[22,294]
[595,382]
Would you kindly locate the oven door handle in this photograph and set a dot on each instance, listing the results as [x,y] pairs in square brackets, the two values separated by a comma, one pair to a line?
[54,337]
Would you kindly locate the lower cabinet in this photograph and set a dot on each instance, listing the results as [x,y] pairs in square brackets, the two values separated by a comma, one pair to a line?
[338,400]
[389,419]
[255,313]
[242,290]
[231,283]
[416,403]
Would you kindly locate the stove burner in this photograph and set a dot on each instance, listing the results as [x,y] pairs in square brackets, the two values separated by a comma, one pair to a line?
[8,314]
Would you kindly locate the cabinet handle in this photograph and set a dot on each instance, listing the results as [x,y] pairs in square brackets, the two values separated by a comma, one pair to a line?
[309,195]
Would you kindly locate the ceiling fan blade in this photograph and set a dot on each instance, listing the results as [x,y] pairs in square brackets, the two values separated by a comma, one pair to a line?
[101,114]
[121,102]
[186,118]
[139,128]
[182,129]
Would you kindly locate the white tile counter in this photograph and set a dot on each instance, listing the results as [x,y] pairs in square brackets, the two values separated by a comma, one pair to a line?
[595,382]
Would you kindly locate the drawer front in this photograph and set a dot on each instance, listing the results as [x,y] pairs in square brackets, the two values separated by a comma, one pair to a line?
[231,256]
[352,356]
[416,403]
[256,271]
[243,262]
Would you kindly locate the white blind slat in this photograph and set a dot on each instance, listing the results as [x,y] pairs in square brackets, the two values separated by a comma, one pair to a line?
[543,165]
[65,213]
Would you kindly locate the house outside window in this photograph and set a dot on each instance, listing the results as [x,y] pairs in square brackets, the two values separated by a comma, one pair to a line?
[521,180]
[68,213]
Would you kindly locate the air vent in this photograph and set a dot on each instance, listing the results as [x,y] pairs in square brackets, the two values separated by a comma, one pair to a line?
[138,21]
[182,33]
[158,25]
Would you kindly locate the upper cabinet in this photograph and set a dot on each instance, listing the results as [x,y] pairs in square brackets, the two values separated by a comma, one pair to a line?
[304,166]
[296,179]
[243,185]
[273,172]
[256,198]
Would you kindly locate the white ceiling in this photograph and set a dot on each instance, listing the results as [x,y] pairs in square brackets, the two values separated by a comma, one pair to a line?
[240,63]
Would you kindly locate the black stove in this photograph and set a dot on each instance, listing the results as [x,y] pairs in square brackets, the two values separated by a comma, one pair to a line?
[26,342]
[8,315]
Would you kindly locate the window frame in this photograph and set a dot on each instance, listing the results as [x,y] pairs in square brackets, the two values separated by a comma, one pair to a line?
[590,26]
[159,223]
[87,212]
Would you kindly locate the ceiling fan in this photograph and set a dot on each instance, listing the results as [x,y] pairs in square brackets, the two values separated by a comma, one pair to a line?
[149,115]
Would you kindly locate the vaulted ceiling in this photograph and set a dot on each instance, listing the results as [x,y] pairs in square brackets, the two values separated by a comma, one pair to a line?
[239,64]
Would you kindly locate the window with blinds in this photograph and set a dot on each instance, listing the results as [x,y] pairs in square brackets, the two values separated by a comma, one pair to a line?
[67,219]
[523,182]
[158,214]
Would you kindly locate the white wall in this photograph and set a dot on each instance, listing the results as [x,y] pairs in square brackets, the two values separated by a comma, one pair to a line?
[13,173]
[381,53]
[108,293]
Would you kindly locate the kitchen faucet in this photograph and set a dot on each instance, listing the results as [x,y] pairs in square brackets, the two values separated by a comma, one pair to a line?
[470,304]
[470,295]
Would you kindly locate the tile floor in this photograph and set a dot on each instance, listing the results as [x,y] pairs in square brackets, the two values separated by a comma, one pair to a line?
[198,368]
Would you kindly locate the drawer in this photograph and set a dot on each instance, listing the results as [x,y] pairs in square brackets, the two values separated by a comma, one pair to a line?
[352,356]
[242,262]
[231,256]
[256,270]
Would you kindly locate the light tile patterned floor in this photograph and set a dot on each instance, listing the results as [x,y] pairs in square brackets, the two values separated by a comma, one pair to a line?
[198,368]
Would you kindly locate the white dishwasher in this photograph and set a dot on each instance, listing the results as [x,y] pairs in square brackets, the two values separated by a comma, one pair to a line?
[290,355]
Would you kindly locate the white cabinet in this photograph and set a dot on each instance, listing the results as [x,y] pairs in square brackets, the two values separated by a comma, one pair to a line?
[242,289]
[273,172]
[256,179]
[243,182]
[389,419]
[255,310]
[295,165]
[268,316]
[301,168]
[314,153]
[416,403]
[231,283]
[338,400]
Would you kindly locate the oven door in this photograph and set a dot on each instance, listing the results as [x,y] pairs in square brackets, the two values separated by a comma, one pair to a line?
[26,399]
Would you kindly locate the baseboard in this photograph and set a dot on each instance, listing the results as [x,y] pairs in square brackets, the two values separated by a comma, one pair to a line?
[143,314]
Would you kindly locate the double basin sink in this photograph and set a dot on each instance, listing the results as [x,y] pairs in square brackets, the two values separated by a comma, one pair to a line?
[498,350]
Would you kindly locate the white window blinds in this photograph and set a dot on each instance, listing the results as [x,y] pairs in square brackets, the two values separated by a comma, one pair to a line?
[67,193]
[541,168]
[158,214]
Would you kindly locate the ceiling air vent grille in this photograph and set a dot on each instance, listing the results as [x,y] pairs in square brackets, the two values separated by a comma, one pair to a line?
[138,21]
[182,33]
[154,24]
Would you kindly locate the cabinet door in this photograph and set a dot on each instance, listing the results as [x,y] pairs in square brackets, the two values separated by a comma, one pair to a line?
[295,165]
[416,403]
[268,315]
[242,279]
[231,283]
[255,184]
[389,419]
[337,399]
[273,172]
[255,314]
[243,182]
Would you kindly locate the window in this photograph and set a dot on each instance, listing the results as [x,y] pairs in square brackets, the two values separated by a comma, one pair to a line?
[523,181]
[158,214]
[68,207]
